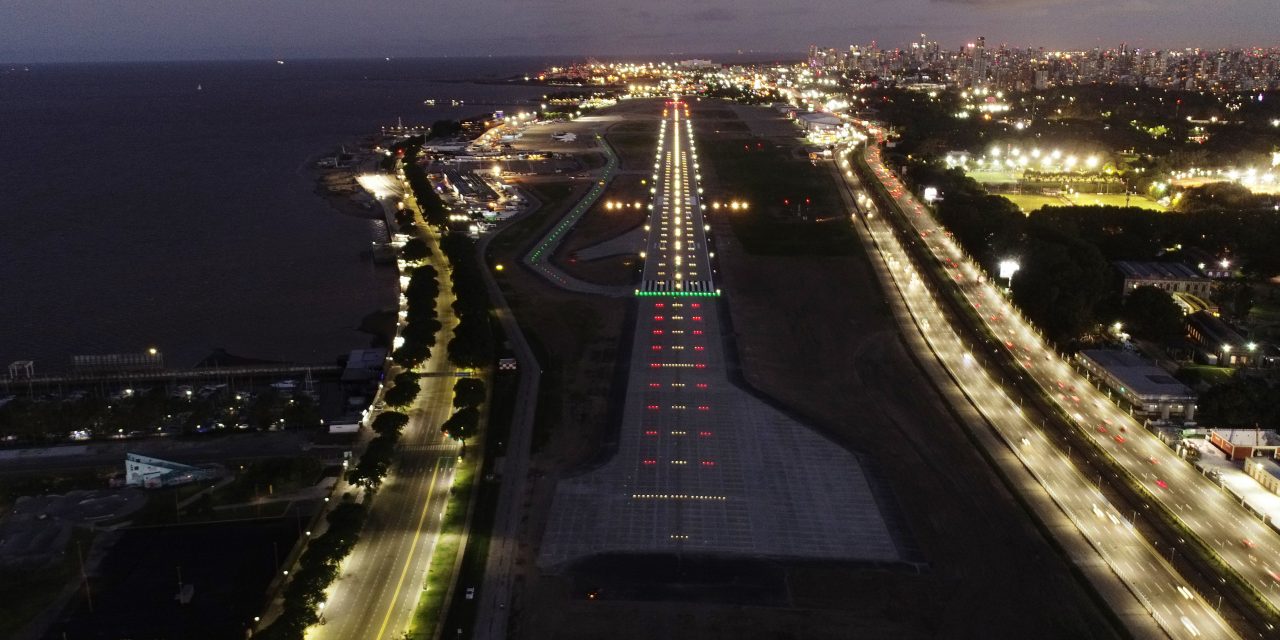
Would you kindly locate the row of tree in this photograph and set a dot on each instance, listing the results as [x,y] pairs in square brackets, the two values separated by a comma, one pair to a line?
[468,395]
[472,343]
[1066,284]
[316,570]
[421,321]
[376,459]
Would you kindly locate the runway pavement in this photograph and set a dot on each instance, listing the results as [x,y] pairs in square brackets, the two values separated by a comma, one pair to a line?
[703,467]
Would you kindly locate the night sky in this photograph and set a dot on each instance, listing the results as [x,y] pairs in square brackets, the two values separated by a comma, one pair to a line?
[100,30]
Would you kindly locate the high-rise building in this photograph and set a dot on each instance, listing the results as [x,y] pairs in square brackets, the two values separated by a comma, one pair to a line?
[980,62]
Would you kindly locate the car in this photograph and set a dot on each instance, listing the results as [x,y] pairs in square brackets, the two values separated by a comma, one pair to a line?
[1153,460]
[1119,438]
[471,593]
[1162,484]
[1102,428]
[1248,543]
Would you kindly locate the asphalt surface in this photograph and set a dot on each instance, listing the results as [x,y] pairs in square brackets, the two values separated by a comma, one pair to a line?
[1170,602]
[495,591]
[381,581]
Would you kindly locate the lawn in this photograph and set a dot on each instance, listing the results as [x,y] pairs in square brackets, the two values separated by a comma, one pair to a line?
[795,207]
[1029,203]
[1114,200]
[1197,373]
[440,572]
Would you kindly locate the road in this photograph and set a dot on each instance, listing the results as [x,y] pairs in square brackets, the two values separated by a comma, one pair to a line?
[494,593]
[379,584]
[1170,602]
[1244,544]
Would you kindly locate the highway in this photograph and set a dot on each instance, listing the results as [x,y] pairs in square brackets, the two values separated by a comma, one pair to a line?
[379,584]
[1244,543]
[1175,608]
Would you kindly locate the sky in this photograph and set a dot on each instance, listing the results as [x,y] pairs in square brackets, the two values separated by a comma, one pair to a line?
[107,30]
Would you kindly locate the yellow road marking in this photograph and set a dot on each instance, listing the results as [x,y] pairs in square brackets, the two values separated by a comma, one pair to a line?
[408,561]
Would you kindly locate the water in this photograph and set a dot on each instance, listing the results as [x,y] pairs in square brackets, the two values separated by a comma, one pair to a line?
[136,210]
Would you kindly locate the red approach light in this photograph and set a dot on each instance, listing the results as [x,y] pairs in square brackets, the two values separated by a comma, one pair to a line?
[697,318]
[650,461]
[699,348]
[704,434]
[786,202]
[655,365]
[651,432]
[659,305]
[708,463]
[657,332]
[700,365]
[697,332]
[806,201]
[657,347]
[655,385]
[657,318]
[703,407]
[701,385]
[653,407]
[696,305]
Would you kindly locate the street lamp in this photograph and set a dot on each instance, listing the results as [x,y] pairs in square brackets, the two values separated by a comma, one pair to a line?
[1007,269]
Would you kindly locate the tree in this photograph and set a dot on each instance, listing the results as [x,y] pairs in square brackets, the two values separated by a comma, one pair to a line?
[468,392]
[389,422]
[1151,314]
[404,392]
[1060,282]
[1244,401]
[415,249]
[1235,299]
[411,354]
[463,424]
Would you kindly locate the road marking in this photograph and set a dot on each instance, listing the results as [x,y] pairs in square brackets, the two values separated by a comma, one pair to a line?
[408,561]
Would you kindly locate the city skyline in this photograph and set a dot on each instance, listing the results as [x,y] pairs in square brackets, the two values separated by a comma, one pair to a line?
[79,30]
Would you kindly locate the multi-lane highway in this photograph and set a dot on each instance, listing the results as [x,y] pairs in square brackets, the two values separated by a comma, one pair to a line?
[1246,545]
[1176,609]
[382,580]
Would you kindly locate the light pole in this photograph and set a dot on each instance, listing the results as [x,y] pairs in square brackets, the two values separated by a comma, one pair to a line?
[1008,267]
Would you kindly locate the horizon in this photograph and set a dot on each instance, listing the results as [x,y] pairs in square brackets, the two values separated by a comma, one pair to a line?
[757,56]
[40,31]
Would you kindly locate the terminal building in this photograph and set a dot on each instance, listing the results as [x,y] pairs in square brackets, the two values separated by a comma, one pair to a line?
[1150,389]
[153,473]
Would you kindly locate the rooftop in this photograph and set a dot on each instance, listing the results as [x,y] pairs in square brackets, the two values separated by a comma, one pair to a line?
[1157,270]
[1267,465]
[1140,376]
[1249,437]
[1215,330]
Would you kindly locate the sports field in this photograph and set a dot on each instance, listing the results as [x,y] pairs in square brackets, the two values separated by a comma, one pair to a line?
[1029,203]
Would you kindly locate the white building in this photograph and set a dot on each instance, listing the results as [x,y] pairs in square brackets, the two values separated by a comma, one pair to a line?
[145,471]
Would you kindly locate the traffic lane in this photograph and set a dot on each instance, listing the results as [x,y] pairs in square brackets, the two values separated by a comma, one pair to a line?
[989,391]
